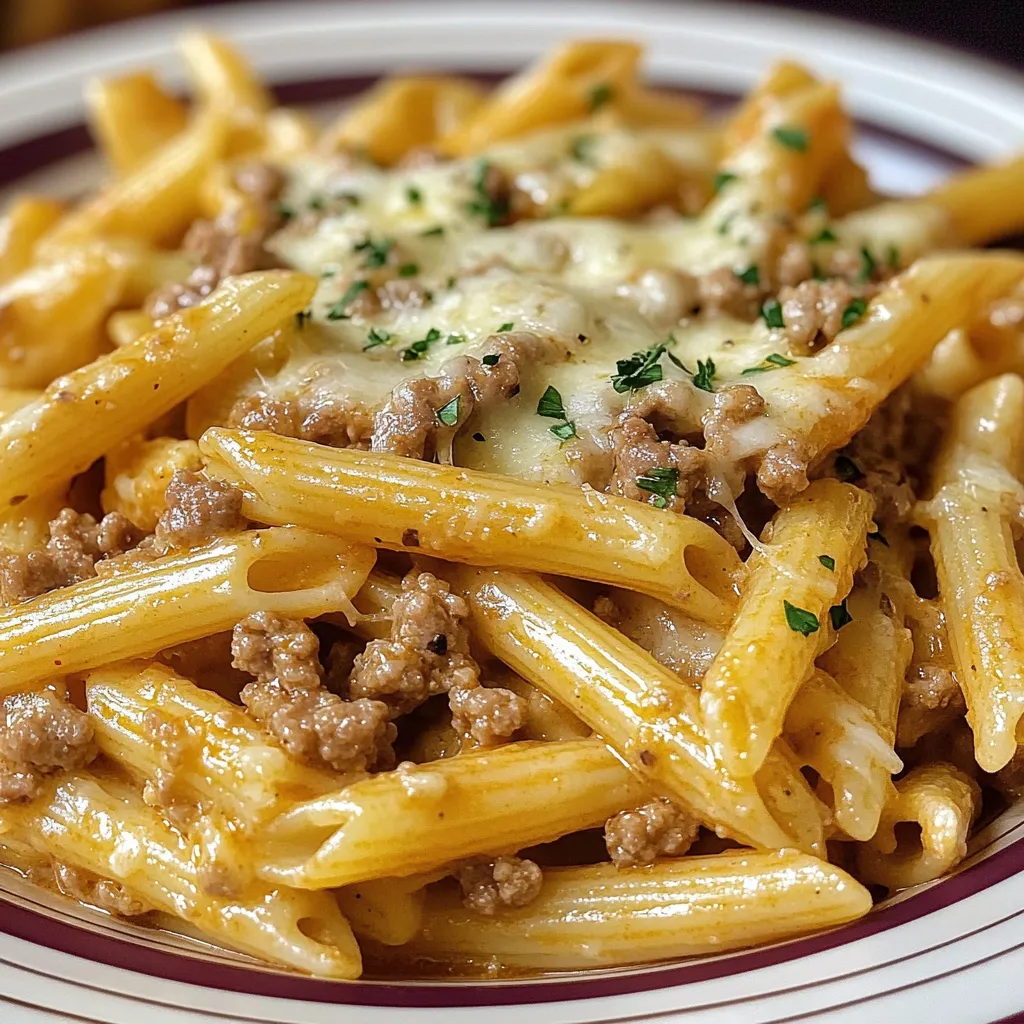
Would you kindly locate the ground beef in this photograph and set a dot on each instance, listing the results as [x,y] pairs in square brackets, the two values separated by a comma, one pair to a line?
[277,650]
[40,733]
[76,543]
[197,511]
[671,407]
[97,892]
[220,248]
[735,404]
[264,412]
[407,425]
[637,452]
[794,264]
[813,313]
[931,698]
[485,716]
[324,419]
[722,291]
[317,727]
[499,884]
[879,453]
[658,828]
[782,474]
[427,652]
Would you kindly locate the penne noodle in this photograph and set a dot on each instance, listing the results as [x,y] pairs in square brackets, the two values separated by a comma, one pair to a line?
[389,910]
[100,825]
[131,118]
[223,761]
[223,79]
[466,516]
[642,710]
[942,802]
[784,612]
[121,392]
[489,802]
[984,203]
[27,219]
[139,608]
[602,915]
[976,497]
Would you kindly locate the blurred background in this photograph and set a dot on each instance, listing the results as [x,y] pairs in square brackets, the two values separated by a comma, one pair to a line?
[994,29]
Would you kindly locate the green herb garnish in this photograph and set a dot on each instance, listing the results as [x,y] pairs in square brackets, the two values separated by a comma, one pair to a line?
[599,96]
[749,276]
[418,349]
[799,620]
[435,232]
[723,178]
[663,483]
[580,148]
[375,339]
[550,406]
[840,615]
[704,378]
[846,469]
[868,267]
[448,414]
[792,138]
[639,370]
[408,270]
[771,313]
[337,311]
[493,209]
[828,561]
[564,431]
[771,362]
[376,252]
[853,312]
[414,195]
[824,235]
[506,327]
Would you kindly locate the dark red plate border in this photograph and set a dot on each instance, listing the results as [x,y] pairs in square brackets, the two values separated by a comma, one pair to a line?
[21,159]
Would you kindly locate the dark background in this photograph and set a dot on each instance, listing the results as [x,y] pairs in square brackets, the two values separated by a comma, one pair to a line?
[992,28]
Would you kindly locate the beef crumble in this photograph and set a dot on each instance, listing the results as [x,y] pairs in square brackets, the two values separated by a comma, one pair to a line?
[499,884]
[658,828]
[197,511]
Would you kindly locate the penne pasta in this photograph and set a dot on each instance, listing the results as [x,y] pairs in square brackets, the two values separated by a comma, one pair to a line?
[942,802]
[788,597]
[98,824]
[601,915]
[141,608]
[976,497]
[389,911]
[479,518]
[643,711]
[444,811]
[26,221]
[121,392]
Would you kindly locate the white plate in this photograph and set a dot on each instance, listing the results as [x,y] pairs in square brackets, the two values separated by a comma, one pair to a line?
[952,952]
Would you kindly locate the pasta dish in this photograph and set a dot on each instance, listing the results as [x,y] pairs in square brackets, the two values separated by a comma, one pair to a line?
[508,530]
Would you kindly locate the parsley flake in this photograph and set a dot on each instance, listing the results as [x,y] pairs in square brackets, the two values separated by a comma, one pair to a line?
[455,339]
[892,257]
[840,615]
[564,431]
[435,232]
[337,311]
[418,349]
[824,235]
[414,195]
[581,149]
[723,178]
[550,406]
[639,370]
[408,270]
[376,338]
[818,205]
[506,327]
[493,208]
[799,620]
[790,137]
[853,312]
[284,211]
[771,313]
[771,362]
[601,94]
[448,414]
[749,276]
[352,198]
[316,203]
[704,378]
[663,483]
[376,252]
[492,359]
[868,266]
[828,561]
[846,469]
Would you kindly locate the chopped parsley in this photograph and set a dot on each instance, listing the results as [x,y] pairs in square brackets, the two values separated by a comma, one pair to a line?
[414,195]
[639,370]
[448,415]
[722,228]
[581,149]
[749,276]
[868,266]
[493,209]
[376,338]
[408,270]
[601,94]
[824,235]
[818,205]
[877,535]
[418,349]
[492,359]
[790,137]
[771,362]
[723,178]
[551,407]
[376,252]
[892,257]
[506,326]
[352,198]
[435,232]
[853,312]
[456,339]
[316,203]
[661,482]
[828,561]
[704,378]
[771,313]
[284,211]
[302,317]
[846,469]
[840,615]
[800,620]
[337,311]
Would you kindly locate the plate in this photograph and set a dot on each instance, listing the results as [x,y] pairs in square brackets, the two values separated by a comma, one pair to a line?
[952,950]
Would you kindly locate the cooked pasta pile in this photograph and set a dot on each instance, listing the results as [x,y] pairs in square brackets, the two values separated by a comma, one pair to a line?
[504,531]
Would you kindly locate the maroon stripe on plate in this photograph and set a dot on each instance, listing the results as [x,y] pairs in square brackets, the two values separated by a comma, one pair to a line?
[123,953]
